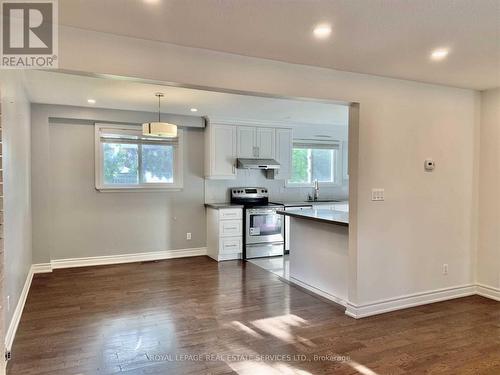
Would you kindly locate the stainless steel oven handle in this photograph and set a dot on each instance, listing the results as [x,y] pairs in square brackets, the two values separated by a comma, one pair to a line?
[265,244]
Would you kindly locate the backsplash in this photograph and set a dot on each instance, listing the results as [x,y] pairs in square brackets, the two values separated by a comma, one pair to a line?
[217,191]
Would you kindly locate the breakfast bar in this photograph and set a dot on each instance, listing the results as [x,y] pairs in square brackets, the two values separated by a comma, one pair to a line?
[319,251]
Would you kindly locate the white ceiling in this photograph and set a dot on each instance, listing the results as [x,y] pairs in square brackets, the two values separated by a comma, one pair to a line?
[67,89]
[383,37]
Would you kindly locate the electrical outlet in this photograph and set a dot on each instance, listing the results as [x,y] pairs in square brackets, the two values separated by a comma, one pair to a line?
[8,303]
[445,269]
[188,236]
[378,195]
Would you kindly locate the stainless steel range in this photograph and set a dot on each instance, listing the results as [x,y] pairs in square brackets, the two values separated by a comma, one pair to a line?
[264,228]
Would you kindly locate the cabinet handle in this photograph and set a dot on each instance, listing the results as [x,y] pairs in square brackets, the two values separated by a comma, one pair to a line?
[234,169]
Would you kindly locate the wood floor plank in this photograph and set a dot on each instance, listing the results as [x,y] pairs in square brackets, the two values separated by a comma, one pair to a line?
[197,316]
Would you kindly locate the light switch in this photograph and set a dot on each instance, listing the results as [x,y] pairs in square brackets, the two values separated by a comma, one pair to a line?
[377,194]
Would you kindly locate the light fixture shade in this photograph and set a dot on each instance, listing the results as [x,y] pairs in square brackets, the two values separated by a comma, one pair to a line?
[159,129]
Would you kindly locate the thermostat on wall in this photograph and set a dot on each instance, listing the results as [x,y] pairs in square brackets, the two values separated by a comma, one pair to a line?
[429,165]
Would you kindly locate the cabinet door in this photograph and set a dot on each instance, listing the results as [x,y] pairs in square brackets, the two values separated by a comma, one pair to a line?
[266,138]
[246,142]
[223,151]
[284,144]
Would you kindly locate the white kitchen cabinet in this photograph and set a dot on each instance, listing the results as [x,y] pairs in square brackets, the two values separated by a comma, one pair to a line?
[220,149]
[224,233]
[266,139]
[247,142]
[284,145]
[256,142]
[230,228]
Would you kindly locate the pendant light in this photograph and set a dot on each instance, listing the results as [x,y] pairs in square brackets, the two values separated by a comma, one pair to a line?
[159,129]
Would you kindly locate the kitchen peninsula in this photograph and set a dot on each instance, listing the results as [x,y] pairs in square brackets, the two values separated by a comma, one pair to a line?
[319,251]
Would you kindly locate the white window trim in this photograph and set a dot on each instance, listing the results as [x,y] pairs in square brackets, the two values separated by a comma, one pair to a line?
[338,175]
[177,185]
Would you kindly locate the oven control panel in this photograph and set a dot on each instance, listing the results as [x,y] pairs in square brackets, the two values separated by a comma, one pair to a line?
[245,192]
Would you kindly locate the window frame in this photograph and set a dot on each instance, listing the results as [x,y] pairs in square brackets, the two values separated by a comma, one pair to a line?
[338,169]
[178,155]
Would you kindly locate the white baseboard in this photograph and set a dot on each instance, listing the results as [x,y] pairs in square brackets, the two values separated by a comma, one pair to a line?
[16,317]
[41,268]
[412,300]
[488,291]
[118,259]
[319,292]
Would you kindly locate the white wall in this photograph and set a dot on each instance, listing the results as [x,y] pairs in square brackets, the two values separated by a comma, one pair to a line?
[16,134]
[488,255]
[426,219]
[72,219]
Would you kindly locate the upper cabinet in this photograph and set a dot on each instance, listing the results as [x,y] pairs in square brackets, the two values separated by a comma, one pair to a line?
[256,142]
[284,144]
[247,142]
[224,143]
[266,139]
[220,150]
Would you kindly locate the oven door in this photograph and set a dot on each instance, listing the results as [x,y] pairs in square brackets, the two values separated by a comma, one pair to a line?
[263,225]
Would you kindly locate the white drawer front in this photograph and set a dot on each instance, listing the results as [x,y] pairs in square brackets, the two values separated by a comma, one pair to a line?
[231,228]
[231,245]
[231,213]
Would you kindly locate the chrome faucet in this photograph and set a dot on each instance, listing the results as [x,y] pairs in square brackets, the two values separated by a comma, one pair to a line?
[316,190]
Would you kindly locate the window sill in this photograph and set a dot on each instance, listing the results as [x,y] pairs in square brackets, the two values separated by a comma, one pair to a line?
[139,189]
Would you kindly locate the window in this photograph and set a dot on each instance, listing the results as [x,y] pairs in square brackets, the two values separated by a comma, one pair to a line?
[125,159]
[315,160]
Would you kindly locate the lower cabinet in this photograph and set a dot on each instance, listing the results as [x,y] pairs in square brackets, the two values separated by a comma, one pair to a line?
[224,233]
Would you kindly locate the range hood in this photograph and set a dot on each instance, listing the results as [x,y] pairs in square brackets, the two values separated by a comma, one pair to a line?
[246,163]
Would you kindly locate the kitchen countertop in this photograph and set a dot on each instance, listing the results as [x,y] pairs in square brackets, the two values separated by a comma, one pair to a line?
[219,206]
[321,215]
[307,203]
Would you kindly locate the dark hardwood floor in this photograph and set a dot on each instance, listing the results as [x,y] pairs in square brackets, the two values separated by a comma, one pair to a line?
[166,317]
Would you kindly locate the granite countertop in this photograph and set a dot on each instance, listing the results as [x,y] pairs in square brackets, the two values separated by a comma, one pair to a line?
[308,203]
[321,215]
[218,206]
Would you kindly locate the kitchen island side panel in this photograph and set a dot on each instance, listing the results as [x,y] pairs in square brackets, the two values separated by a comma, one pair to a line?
[319,256]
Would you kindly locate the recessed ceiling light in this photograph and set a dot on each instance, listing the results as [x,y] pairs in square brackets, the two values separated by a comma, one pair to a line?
[151,1]
[439,54]
[91,101]
[194,109]
[322,31]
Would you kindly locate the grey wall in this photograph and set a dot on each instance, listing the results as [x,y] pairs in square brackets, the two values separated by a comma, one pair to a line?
[17,197]
[71,219]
